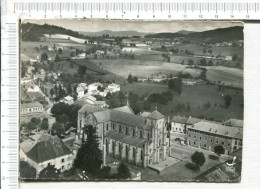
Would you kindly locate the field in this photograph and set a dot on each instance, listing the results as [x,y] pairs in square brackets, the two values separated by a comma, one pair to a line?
[139,68]
[228,76]
[196,96]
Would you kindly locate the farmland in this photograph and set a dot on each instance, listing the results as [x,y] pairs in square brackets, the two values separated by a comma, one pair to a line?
[197,96]
[228,76]
[141,69]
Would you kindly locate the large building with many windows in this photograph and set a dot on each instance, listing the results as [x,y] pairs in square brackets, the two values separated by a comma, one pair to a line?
[207,135]
[139,140]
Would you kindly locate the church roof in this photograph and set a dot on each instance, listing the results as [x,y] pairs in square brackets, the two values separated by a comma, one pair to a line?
[87,108]
[138,142]
[156,115]
[126,109]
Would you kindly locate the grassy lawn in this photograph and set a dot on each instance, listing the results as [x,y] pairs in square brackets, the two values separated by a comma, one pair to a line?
[144,88]
[139,68]
[199,95]
[196,96]
[227,75]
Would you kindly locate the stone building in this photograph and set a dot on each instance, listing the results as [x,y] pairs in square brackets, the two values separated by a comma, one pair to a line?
[139,140]
[41,150]
[207,135]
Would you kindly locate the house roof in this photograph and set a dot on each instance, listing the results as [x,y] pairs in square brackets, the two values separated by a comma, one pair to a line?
[31,105]
[156,115]
[193,120]
[179,119]
[47,147]
[234,122]
[218,129]
[68,98]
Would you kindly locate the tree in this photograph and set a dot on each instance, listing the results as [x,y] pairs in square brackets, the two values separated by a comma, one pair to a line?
[49,172]
[44,57]
[203,62]
[89,156]
[35,120]
[82,70]
[52,92]
[27,171]
[210,51]
[58,128]
[198,158]
[30,126]
[175,84]
[210,63]
[57,58]
[219,149]
[60,51]
[63,119]
[130,78]
[190,62]
[123,171]
[234,57]
[228,100]
[44,125]
[204,51]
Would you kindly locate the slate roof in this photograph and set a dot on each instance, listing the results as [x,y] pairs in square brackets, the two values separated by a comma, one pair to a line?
[234,122]
[87,108]
[156,115]
[218,129]
[125,138]
[127,119]
[31,105]
[193,120]
[145,114]
[179,119]
[46,147]
[126,109]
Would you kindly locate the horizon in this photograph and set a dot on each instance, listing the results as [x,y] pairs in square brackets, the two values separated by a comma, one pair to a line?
[136,26]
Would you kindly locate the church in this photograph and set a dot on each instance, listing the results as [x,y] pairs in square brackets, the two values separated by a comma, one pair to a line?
[139,139]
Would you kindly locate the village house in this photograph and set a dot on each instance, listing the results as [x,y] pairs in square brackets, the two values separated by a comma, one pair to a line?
[113,87]
[178,124]
[41,150]
[29,108]
[26,81]
[42,74]
[33,88]
[122,134]
[81,89]
[67,100]
[206,135]
[93,88]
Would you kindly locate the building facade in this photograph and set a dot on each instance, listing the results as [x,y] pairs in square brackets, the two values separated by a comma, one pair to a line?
[139,140]
[43,149]
[178,124]
[207,135]
[28,108]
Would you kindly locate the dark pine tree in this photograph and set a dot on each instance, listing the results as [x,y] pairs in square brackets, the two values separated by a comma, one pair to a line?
[89,156]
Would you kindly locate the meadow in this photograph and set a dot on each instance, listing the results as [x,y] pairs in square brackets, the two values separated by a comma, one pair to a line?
[197,96]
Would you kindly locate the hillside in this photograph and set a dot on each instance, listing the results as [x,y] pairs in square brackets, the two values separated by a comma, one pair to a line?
[115,33]
[32,32]
[217,35]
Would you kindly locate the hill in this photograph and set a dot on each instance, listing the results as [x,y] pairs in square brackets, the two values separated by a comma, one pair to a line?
[115,33]
[217,35]
[32,32]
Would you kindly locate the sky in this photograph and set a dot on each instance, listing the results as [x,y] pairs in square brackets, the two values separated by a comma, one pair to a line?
[139,26]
